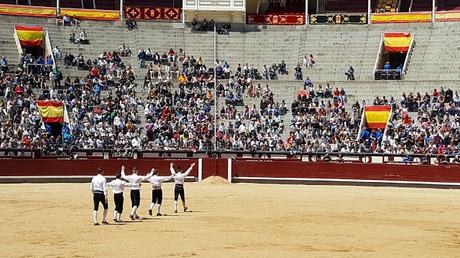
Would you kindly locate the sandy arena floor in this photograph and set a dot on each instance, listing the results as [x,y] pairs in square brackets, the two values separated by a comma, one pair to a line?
[239,220]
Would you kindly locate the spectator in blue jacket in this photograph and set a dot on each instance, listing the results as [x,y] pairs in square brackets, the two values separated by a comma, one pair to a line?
[387,67]
[40,60]
[4,64]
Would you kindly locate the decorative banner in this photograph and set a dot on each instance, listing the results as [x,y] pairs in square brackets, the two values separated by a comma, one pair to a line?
[21,10]
[153,13]
[51,111]
[30,36]
[277,19]
[447,16]
[400,17]
[397,42]
[376,116]
[85,14]
[338,19]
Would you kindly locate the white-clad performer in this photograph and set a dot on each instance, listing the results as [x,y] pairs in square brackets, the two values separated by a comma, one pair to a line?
[118,187]
[135,182]
[99,189]
[179,179]
[157,192]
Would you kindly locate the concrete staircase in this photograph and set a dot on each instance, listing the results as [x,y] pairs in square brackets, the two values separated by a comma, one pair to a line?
[435,55]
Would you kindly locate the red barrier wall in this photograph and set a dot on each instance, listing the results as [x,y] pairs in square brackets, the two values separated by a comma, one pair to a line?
[323,170]
[215,167]
[52,167]
[240,167]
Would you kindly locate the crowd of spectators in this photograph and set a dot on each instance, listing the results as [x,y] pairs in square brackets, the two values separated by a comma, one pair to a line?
[97,121]
[67,21]
[309,60]
[203,25]
[178,118]
[83,38]
[178,110]
[131,24]
[422,123]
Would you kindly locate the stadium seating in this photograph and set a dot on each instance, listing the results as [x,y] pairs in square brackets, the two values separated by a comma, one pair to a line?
[421,5]
[346,6]
[334,48]
[387,6]
[449,5]
[340,46]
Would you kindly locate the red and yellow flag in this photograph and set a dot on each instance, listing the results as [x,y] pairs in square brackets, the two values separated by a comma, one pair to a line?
[85,14]
[30,36]
[51,111]
[417,17]
[22,10]
[397,42]
[377,116]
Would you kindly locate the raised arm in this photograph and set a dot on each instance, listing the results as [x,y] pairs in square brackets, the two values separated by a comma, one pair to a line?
[171,168]
[123,175]
[149,175]
[189,169]
[166,178]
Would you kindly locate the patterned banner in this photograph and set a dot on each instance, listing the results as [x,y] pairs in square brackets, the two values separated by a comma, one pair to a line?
[277,19]
[338,19]
[447,16]
[21,10]
[153,13]
[401,17]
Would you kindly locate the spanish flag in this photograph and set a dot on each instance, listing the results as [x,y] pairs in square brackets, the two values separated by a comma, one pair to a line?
[51,111]
[30,36]
[377,116]
[397,42]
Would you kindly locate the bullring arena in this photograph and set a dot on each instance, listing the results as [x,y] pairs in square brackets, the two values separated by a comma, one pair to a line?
[295,128]
[233,219]
[237,220]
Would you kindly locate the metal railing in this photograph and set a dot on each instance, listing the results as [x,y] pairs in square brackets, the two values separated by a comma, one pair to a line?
[36,66]
[394,73]
[408,54]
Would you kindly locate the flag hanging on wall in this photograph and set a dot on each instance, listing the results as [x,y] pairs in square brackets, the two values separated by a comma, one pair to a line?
[51,111]
[376,117]
[397,42]
[30,36]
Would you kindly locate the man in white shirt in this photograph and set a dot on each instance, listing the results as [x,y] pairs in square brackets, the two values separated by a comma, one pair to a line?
[118,187]
[57,53]
[157,192]
[99,189]
[179,179]
[135,181]
[83,37]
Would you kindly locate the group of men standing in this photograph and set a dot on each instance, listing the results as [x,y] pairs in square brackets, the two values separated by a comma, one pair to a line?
[99,189]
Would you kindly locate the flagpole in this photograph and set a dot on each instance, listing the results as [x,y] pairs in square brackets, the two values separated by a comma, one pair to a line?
[361,124]
[386,126]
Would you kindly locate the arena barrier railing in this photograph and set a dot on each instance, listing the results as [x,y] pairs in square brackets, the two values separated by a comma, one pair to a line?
[104,154]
